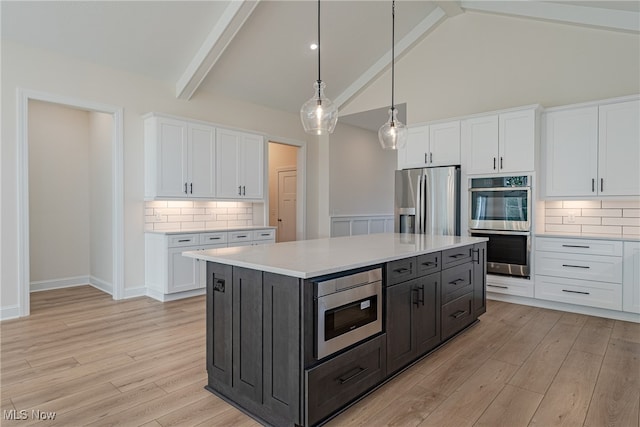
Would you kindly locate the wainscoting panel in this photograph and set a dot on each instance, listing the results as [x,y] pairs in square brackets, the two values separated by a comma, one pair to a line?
[353,225]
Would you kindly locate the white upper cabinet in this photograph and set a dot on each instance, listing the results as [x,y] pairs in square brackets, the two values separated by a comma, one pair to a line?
[239,165]
[500,143]
[179,159]
[592,150]
[431,145]
[619,149]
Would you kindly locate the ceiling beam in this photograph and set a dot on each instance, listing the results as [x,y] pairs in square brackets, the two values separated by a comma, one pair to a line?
[450,7]
[225,29]
[419,31]
[612,19]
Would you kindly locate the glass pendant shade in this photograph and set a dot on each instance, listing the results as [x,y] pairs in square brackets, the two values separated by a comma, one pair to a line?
[393,134]
[319,115]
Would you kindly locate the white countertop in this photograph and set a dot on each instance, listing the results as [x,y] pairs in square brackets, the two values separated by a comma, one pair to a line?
[312,258]
[214,230]
[618,237]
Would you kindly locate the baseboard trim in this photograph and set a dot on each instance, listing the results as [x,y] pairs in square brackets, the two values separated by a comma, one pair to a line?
[10,312]
[571,308]
[135,292]
[172,297]
[101,285]
[66,282]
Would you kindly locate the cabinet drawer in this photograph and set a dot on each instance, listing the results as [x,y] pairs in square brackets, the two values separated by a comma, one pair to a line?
[428,263]
[457,256]
[178,240]
[400,271]
[456,315]
[456,281]
[268,234]
[337,382]
[580,246]
[583,292]
[239,236]
[213,238]
[578,266]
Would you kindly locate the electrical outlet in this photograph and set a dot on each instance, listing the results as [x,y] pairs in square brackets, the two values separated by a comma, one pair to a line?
[571,218]
[158,217]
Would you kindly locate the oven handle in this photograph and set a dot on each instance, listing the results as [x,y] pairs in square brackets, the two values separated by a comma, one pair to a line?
[506,233]
[500,189]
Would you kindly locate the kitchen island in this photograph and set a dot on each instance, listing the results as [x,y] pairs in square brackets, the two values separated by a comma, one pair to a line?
[281,348]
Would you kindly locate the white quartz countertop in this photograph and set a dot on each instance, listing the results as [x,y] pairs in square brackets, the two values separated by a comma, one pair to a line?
[213,230]
[618,237]
[312,258]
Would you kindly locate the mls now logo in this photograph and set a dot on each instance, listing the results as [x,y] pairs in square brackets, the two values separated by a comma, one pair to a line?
[14,414]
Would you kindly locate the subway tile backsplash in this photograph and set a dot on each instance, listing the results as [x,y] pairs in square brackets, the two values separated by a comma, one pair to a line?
[593,217]
[193,215]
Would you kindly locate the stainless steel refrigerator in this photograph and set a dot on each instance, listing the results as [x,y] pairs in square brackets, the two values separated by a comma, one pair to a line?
[427,201]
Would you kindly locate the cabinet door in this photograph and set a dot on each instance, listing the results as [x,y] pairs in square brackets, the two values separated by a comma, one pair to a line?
[480,142]
[479,279]
[517,141]
[631,277]
[401,344]
[427,313]
[252,168]
[571,152]
[619,149]
[219,332]
[247,333]
[172,157]
[415,153]
[228,145]
[202,161]
[184,273]
[444,144]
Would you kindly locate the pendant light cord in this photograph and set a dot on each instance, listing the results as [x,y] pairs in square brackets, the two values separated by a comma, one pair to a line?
[393,55]
[319,81]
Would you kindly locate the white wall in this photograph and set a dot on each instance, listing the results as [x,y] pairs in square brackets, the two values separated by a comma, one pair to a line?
[478,62]
[59,238]
[100,206]
[49,72]
[361,173]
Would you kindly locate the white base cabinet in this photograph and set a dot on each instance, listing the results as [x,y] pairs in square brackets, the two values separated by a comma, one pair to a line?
[167,272]
[631,277]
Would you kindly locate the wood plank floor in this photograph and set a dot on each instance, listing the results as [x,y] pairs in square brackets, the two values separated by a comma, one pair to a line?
[95,361]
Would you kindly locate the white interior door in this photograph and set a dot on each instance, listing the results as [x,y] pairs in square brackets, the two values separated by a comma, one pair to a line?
[287,196]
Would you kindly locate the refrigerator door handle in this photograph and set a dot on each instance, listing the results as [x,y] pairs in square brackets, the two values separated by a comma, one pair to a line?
[418,221]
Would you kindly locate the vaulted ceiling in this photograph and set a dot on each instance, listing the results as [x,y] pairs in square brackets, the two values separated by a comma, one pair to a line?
[258,51]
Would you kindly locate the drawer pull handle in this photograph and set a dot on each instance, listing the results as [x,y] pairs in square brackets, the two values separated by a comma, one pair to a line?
[455,282]
[214,238]
[575,266]
[429,263]
[458,314]
[457,255]
[497,286]
[575,246]
[575,292]
[242,236]
[184,240]
[351,375]
[401,270]
[265,234]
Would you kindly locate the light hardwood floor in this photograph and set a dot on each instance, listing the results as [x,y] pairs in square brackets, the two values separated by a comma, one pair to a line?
[139,362]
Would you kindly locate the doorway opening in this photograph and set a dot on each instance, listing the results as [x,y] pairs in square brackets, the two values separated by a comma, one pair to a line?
[70,207]
[283,190]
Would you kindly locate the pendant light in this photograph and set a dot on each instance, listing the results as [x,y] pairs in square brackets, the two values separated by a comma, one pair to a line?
[319,115]
[393,134]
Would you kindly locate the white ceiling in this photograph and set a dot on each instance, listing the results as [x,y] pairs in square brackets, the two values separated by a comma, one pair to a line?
[265,57]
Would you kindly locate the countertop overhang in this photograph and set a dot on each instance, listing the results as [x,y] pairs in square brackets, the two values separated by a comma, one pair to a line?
[306,259]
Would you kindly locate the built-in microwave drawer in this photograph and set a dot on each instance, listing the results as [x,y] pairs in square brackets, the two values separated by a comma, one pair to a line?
[578,266]
[400,271]
[335,383]
[213,238]
[456,281]
[457,315]
[457,256]
[429,263]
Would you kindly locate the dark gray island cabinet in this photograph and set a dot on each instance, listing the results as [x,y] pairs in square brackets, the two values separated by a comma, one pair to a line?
[263,326]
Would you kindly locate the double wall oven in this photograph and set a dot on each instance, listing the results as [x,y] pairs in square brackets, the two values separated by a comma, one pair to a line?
[499,209]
